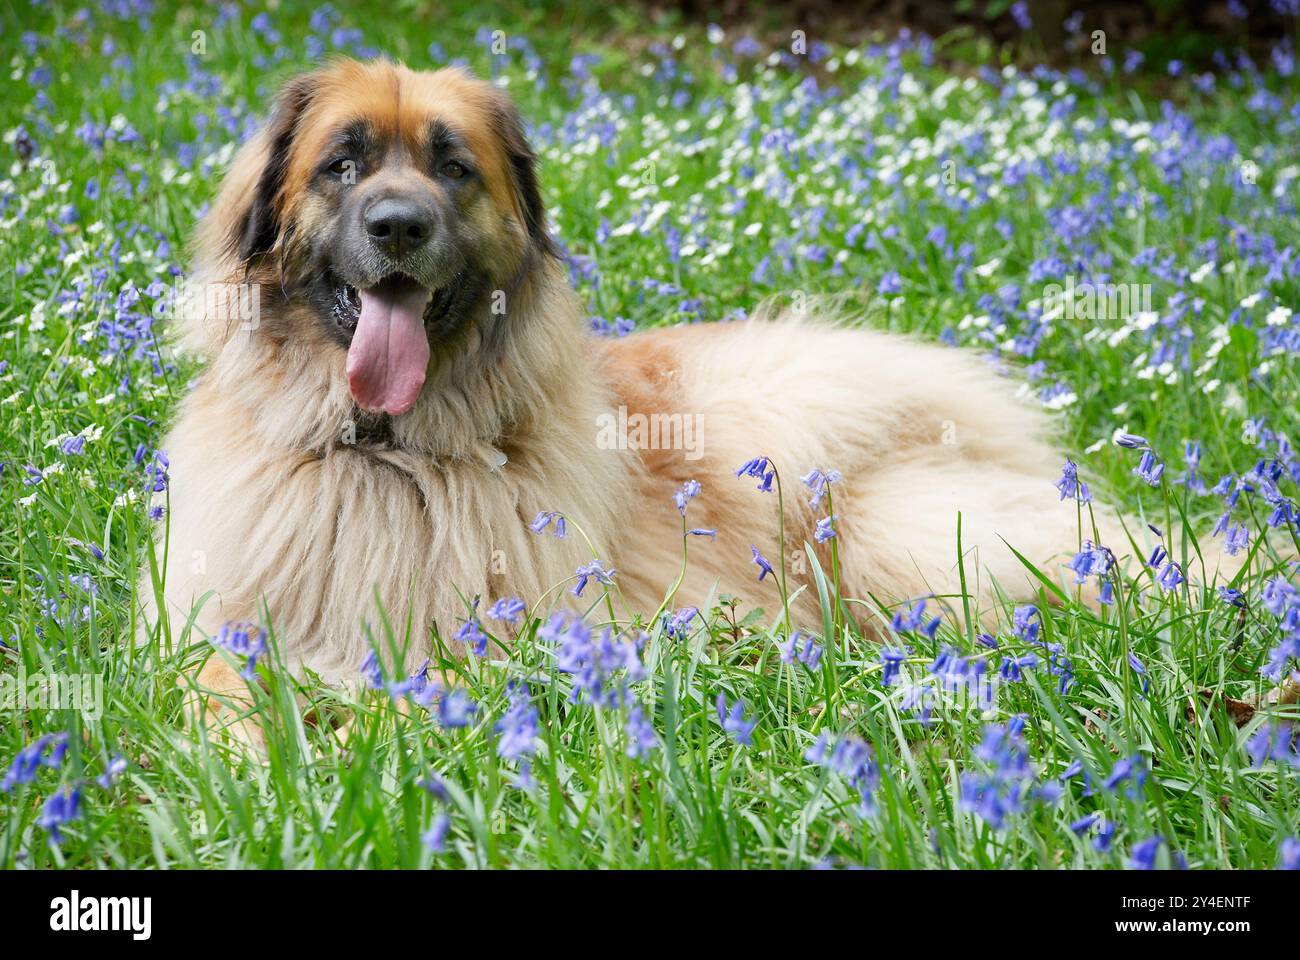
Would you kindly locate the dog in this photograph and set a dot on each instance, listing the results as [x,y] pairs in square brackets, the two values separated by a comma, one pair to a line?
[420,383]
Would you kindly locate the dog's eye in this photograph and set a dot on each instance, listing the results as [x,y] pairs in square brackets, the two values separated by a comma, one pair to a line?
[454,170]
[343,166]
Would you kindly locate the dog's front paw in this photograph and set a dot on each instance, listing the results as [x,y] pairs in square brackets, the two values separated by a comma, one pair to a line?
[219,698]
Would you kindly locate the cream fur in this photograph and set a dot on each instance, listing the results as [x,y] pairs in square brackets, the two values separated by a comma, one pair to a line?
[269,510]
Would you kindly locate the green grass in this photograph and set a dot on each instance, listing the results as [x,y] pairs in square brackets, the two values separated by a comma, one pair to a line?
[350,796]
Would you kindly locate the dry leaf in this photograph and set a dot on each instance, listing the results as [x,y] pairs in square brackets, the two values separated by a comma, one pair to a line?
[1240,711]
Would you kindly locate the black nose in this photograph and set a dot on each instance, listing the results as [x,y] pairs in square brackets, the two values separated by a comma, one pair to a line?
[398,225]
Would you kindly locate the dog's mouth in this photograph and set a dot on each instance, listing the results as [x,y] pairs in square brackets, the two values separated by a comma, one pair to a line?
[388,347]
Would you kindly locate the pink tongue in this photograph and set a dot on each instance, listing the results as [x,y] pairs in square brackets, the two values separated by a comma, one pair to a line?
[390,352]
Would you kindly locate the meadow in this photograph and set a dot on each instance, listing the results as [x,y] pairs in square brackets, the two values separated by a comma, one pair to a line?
[1117,234]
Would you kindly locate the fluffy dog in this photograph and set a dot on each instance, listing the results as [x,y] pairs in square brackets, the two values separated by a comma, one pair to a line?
[419,385]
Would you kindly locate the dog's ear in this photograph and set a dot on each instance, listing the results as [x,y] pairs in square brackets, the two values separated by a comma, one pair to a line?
[257,229]
[522,162]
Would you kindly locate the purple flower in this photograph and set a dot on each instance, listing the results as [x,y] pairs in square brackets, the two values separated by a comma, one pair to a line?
[761,469]
[116,767]
[590,571]
[764,568]
[852,759]
[1170,577]
[1149,468]
[472,636]
[1144,854]
[908,618]
[818,481]
[60,809]
[518,726]
[1105,837]
[1290,854]
[890,284]
[1128,769]
[1085,824]
[436,836]
[1131,440]
[243,639]
[1070,486]
[809,654]
[640,733]
[676,624]
[703,532]
[508,609]
[734,721]
[824,531]
[891,659]
[25,764]
[689,490]
[371,672]
[1020,14]
[456,709]
[543,520]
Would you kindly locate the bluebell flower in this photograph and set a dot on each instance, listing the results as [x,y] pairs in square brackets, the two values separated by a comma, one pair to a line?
[435,786]
[1131,440]
[1026,621]
[1274,742]
[116,767]
[640,733]
[1105,837]
[1140,670]
[1170,577]
[999,786]
[518,726]
[1084,824]
[703,532]
[891,659]
[1073,770]
[30,759]
[1070,486]
[809,653]
[824,530]
[456,709]
[243,639]
[601,666]
[1149,469]
[508,609]
[435,837]
[471,634]
[1289,854]
[676,625]
[1131,770]
[60,809]
[818,481]
[734,722]
[760,468]
[689,490]
[543,520]
[1145,853]
[1238,539]
[592,570]
[909,618]
[371,672]
[1232,596]
[852,759]
[764,568]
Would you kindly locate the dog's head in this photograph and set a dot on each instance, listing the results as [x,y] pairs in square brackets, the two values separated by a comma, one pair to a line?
[385,206]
